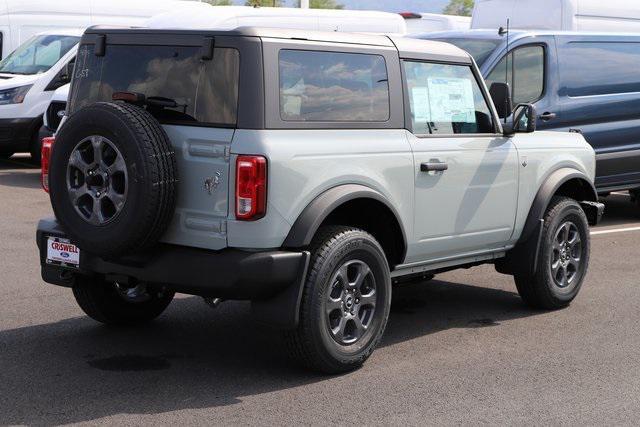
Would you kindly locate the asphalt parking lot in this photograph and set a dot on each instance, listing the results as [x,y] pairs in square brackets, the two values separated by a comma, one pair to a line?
[460,349]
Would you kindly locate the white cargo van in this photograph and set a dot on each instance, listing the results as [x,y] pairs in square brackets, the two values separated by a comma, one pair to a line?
[230,17]
[426,22]
[565,15]
[44,62]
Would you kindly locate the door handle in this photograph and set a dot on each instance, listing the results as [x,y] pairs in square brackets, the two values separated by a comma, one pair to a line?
[546,116]
[433,167]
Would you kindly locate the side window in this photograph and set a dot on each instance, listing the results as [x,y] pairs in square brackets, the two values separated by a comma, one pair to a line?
[446,99]
[589,68]
[524,71]
[333,87]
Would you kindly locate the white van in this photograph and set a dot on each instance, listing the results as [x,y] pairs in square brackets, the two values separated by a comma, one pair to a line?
[230,17]
[426,22]
[22,19]
[44,62]
[565,15]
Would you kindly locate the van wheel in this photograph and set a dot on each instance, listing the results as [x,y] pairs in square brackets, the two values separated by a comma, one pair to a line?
[345,302]
[111,303]
[563,259]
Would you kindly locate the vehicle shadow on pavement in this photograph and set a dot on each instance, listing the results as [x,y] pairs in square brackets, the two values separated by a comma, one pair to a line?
[619,210]
[193,357]
[19,173]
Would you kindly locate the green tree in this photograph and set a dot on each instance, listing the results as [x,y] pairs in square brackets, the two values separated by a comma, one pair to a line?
[459,7]
[322,4]
[219,2]
[264,3]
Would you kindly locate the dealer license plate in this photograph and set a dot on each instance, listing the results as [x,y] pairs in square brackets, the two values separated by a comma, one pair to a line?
[62,252]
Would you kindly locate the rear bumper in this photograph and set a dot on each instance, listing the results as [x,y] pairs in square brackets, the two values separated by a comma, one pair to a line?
[16,134]
[228,274]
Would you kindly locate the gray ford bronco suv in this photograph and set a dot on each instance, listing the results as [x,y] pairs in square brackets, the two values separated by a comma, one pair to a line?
[305,172]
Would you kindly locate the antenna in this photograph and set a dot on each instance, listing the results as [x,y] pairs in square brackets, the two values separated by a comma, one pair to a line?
[502,32]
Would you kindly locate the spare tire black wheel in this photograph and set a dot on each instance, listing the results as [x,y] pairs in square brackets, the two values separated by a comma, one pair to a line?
[113,179]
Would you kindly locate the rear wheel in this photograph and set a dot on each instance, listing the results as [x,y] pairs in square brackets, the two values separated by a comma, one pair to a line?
[563,258]
[345,303]
[112,303]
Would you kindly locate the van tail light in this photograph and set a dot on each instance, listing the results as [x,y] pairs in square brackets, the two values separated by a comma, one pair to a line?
[251,187]
[47,144]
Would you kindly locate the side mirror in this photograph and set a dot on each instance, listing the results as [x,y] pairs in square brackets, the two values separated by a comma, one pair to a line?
[67,72]
[501,96]
[524,120]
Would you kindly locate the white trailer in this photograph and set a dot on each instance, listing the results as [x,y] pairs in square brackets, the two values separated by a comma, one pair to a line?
[564,15]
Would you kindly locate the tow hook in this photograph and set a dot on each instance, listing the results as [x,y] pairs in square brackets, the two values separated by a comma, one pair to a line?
[212,302]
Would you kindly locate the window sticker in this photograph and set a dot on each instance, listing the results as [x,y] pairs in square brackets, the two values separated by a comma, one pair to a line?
[451,100]
[420,100]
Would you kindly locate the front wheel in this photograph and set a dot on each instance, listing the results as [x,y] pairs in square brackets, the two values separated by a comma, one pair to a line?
[345,303]
[563,258]
[112,303]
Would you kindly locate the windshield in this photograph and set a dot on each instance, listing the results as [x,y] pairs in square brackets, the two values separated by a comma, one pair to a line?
[37,54]
[480,49]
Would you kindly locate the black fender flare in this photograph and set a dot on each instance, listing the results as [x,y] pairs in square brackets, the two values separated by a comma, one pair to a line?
[283,310]
[547,190]
[519,260]
[318,209]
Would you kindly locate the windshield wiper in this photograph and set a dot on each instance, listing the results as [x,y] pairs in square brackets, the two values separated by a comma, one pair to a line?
[150,101]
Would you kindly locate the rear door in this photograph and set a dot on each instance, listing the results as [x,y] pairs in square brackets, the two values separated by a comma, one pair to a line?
[196,102]
[466,175]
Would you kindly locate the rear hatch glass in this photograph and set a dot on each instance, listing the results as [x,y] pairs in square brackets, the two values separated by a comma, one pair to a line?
[182,88]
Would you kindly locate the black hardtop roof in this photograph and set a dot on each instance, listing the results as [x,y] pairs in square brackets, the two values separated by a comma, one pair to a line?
[407,47]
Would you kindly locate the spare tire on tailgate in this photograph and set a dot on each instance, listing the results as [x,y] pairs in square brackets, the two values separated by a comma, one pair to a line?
[112,179]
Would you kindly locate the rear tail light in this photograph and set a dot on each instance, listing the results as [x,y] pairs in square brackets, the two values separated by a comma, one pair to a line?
[47,143]
[251,187]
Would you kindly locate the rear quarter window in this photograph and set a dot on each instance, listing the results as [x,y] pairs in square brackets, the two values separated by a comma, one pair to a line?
[333,87]
[203,92]
[600,68]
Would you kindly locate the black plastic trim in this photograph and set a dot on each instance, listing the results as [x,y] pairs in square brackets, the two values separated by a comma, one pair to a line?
[519,260]
[547,190]
[317,211]
[228,273]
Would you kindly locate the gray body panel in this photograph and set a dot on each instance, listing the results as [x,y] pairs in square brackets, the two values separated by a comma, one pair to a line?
[202,155]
